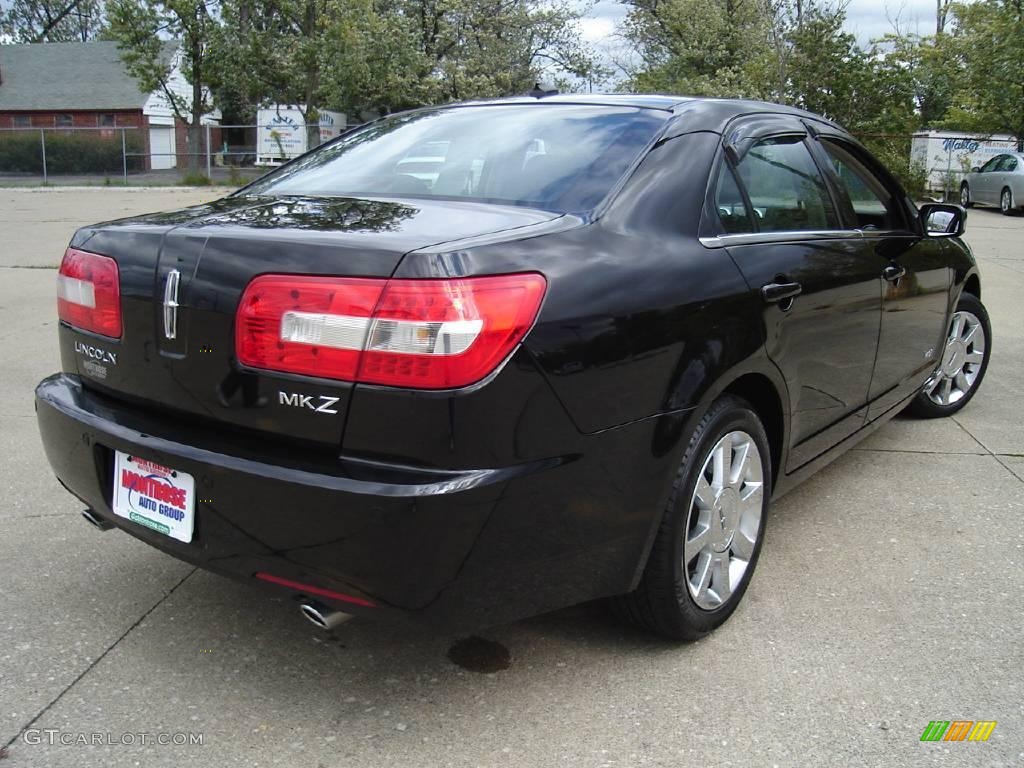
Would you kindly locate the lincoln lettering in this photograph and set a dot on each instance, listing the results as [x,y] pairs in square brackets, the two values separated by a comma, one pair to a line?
[96,353]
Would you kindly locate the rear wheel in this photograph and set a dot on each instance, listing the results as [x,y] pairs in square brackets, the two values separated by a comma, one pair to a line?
[965,357]
[1006,201]
[965,195]
[710,536]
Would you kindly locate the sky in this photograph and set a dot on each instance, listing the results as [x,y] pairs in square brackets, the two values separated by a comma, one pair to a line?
[867,19]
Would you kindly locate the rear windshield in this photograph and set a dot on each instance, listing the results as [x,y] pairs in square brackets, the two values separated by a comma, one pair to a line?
[563,158]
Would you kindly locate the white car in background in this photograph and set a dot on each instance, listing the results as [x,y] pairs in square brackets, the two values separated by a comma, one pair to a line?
[1000,182]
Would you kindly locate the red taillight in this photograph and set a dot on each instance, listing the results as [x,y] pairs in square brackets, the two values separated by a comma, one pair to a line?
[422,334]
[89,294]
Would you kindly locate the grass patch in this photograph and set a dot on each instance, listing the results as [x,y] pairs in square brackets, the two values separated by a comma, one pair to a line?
[196,180]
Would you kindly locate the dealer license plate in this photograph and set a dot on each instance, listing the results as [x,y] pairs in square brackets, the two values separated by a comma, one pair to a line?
[158,497]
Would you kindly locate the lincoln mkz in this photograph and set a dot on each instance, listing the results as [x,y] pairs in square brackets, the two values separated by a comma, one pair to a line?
[574,356]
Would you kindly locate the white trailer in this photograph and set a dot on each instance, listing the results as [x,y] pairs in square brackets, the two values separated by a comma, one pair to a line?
[947,155]
[281,132]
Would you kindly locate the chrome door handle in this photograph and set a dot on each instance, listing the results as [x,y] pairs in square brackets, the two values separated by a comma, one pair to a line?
[774,293]
[894,272]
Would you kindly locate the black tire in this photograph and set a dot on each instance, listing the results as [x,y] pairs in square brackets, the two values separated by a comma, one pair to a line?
[923,406]
[1007,210]
[662,602]
[965,196]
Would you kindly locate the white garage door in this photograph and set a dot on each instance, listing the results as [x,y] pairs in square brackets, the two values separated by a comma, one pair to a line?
[161,148]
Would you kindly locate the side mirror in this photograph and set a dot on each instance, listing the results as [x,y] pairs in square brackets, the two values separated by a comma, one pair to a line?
[943,219]
[975,169]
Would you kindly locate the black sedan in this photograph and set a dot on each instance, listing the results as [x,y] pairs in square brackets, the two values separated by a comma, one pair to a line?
[575,360]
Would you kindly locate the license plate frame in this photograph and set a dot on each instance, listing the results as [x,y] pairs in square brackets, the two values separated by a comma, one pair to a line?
[159,498]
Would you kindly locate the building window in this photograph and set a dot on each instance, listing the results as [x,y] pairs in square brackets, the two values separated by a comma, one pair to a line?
[62,121]
[107,121]
[21,121]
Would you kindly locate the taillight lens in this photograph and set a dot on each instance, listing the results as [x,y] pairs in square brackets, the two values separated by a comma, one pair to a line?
[89,293]
[422,334]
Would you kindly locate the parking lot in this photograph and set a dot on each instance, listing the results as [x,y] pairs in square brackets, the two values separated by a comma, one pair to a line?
[888,594]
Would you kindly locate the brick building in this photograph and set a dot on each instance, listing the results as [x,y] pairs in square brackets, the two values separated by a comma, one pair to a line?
[85,85]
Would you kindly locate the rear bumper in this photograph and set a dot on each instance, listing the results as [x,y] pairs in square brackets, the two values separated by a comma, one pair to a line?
[455,547]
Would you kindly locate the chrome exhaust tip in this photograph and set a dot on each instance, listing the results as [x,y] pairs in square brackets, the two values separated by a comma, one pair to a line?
[96,521]
[322,616]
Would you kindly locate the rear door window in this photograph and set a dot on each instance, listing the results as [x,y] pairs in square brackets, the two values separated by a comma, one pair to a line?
[785,187]
[732,209]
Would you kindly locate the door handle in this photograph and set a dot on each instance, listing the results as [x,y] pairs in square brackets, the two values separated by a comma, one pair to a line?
[774,293]
[894,272]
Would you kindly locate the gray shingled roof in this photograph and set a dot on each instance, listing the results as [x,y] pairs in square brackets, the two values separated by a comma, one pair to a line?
[54,76]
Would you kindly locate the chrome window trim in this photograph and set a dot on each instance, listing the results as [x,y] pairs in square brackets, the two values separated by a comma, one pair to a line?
[788,236]
[869,234]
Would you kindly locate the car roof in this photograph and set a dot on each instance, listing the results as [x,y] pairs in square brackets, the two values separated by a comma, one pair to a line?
[700,113]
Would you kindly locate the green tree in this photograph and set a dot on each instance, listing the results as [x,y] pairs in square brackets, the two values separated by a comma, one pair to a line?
[698,47]
[142,28]
[830,75]
[272,52]
[925,70]
[483,48]
[377,56]
[989,41]
[53,21]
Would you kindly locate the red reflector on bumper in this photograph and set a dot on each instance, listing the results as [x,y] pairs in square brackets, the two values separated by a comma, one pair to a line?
[308,589]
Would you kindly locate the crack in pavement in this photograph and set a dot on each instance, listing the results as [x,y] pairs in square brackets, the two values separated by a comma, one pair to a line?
[989,451]
[35,516]
[98,659]
[923,453]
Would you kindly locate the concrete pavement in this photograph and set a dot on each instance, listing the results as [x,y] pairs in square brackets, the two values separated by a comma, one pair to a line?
[889,594]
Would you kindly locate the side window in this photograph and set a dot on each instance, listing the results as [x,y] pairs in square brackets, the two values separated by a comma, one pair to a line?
[874,207]
[732,210]
[785,187]
[1009,163]
[991,164]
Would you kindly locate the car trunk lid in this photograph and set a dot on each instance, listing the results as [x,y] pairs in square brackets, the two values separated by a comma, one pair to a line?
[182,275]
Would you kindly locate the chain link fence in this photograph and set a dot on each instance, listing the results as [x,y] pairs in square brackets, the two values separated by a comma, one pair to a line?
[43,153]
[157,155]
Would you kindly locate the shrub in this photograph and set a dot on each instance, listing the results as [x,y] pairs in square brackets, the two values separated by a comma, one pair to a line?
[196,180]
[68,152]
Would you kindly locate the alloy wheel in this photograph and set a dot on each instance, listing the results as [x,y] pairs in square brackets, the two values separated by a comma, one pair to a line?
[962,359]
[1005,201]
[724,520]
[965,196]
